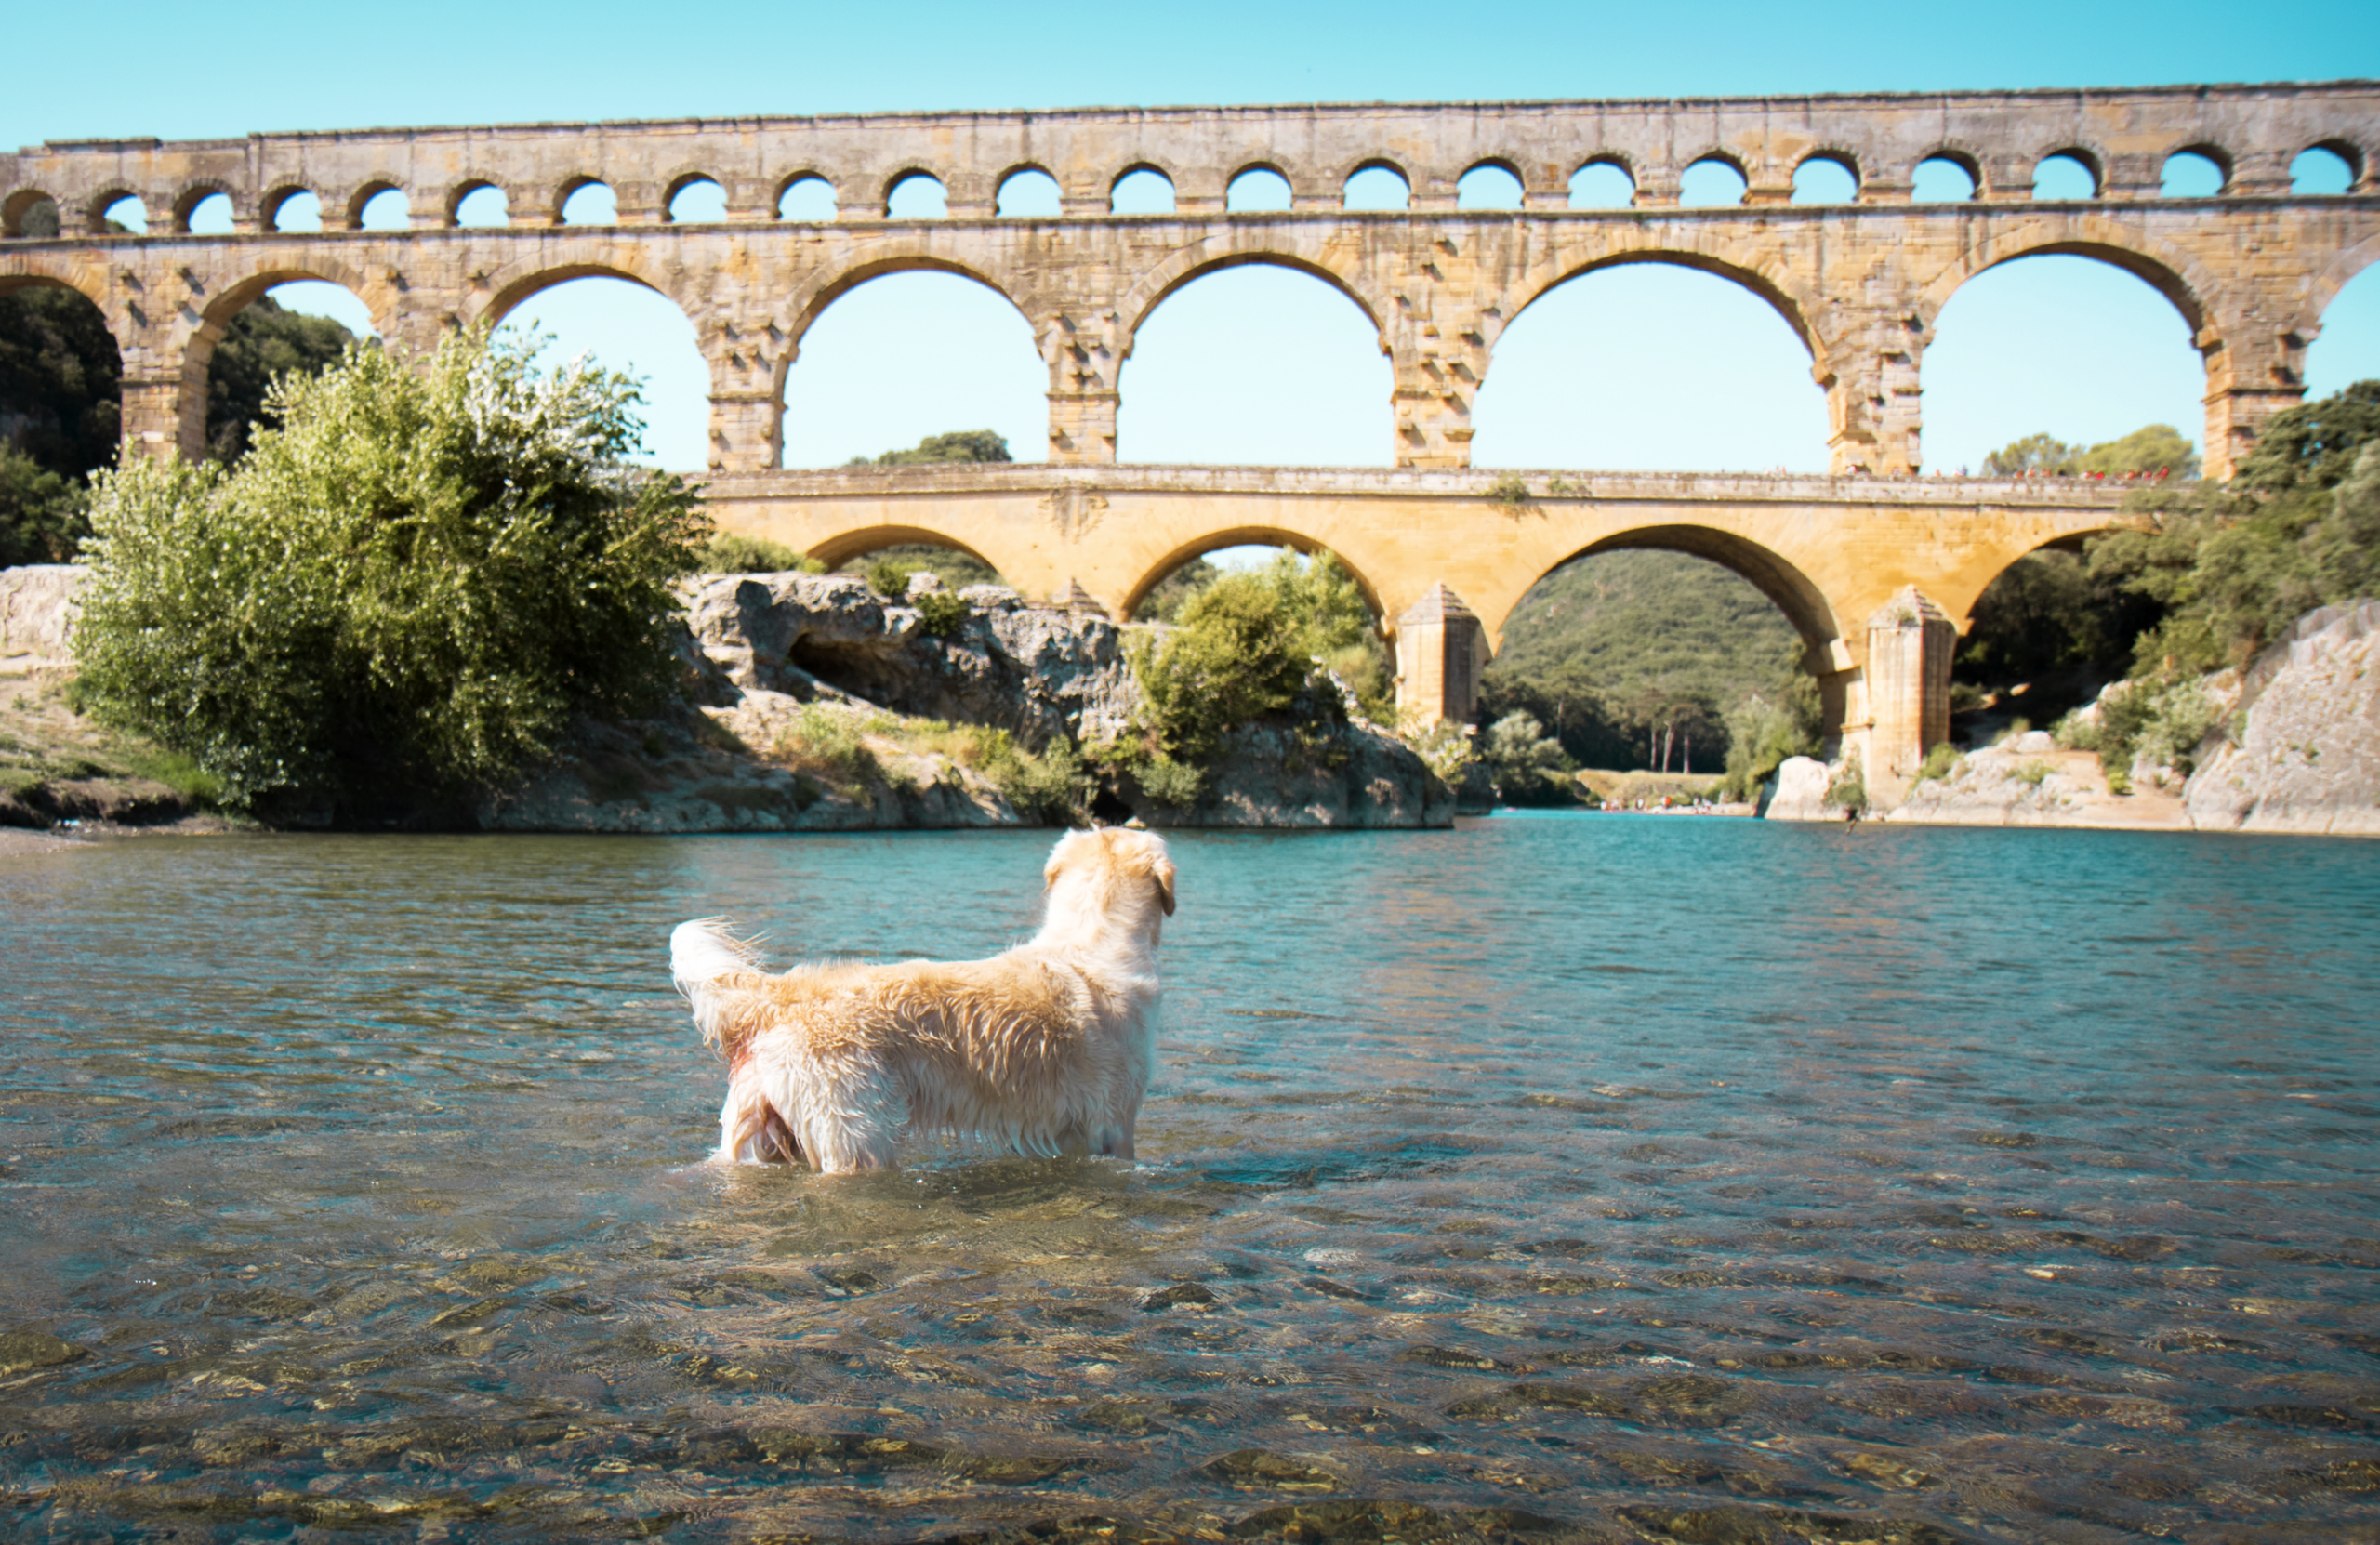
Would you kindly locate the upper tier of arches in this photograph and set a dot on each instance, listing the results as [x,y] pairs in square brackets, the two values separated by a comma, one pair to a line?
[2254,138]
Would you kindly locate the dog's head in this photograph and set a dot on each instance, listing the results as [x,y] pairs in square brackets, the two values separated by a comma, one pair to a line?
[1110,876]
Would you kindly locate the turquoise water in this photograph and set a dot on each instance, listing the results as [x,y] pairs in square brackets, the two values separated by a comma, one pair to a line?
[1615,1178]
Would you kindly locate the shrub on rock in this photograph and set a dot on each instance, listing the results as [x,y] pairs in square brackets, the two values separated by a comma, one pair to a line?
[403,593]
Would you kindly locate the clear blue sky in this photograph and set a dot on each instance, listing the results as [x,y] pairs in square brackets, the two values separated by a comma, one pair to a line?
[1636,367]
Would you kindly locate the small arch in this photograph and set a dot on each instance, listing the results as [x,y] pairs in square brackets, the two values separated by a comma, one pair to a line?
[1604,182]
[479,205]
[292,207]
[1258,190]
[695,199]
[2197,172]
[587,201]
[1377,186]
[2066,177]
[1829,176]
[1946,176]
[1494,184]
[1247,536]
[916,194]
[380,206]
[1717,181]
[119,210]
[26,211]
[2332,166]
[1029,192]
[807,199]
[203,210]
[1141,190]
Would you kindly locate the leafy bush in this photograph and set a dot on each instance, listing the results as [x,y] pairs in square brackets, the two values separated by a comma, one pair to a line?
[1527,765]
[732,553]
[1446,747]
[402,594]
[942,614]
[2159,721]
[826,744]
[2032,773]
[44,517]
[1940,760]
[1848,788]
[1763,730]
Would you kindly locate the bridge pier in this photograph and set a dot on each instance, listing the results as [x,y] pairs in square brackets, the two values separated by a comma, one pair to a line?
[1440,651]
[1905,685]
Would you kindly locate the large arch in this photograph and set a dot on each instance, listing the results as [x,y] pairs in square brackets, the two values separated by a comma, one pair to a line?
[1788,589]
[1266,322]
[991,369]
[2166,268]
[1638,362]
[1233,250]
[585,257]
[1772,283]
[1245,537]
[858,542]
[810,298]
[627,324]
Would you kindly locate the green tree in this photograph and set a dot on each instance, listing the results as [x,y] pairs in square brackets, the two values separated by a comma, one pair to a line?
[263,341]
[2035,453]
[401,595]
[1527,765]
[2158,448]
[957,446]
[43,517]
[60,391]
[1168,596]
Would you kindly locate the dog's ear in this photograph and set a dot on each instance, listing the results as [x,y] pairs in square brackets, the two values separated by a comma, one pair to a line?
[1164,876]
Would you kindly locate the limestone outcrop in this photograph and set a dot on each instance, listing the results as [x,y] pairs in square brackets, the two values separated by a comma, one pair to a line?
[38,608]
[2301,751]
[1798,792]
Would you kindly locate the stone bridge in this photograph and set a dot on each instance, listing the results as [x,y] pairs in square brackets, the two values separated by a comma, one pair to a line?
[2250,269]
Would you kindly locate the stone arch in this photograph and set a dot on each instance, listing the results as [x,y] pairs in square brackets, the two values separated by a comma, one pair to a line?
[908,172]
[1783,291]
[1621,159]
[366,191]
[568,185]
[588,257]
[1243,537]
[451,206]
[2358,164]
[1966,157]
[2207,149]
[1202,257]
[1839,157]
[1723,155]
[21,203]
[1164,166]
[683,176]
[2091,158]
[1957,596]
[1345,169]
[20,270]
[1788,589]
[874,261]
[269,206]
[94,209]
[2166,268]
[191,194]
[840,549]
[1016,168]
[783,185]
[2335,277]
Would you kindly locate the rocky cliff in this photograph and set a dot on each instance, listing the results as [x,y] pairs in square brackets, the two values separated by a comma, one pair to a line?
[2301,750]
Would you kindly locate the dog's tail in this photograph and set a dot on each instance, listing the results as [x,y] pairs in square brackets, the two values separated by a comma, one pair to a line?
[709,965]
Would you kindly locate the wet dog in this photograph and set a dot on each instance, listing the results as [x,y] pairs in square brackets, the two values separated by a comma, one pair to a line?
[1045,1049]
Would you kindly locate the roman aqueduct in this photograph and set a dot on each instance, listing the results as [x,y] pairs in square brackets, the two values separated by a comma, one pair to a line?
[1876,567]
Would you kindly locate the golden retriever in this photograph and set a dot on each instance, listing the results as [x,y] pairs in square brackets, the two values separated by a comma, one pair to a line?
[1045,1049]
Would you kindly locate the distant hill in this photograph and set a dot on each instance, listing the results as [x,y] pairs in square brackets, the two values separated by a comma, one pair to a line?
[1608,649]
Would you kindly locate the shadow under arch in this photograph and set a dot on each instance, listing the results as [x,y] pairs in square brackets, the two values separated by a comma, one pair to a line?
[838,549]
[1195,261]
[1787,587]
[1250,536]
[1961,608]
[1794,308]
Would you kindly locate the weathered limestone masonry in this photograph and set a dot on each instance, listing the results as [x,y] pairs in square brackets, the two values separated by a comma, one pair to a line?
[2250,270]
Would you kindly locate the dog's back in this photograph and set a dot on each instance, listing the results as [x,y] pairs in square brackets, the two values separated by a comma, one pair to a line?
[1046,1049]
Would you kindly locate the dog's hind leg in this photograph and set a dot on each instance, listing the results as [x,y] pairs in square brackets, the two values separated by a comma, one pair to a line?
[854,1120]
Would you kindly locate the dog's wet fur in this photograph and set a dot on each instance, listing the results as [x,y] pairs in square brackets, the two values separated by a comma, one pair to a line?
[1045,1049]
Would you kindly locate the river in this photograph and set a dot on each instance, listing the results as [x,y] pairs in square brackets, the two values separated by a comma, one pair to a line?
[1562,1176]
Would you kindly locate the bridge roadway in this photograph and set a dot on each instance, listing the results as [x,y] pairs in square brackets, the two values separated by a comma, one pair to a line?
[1877,575]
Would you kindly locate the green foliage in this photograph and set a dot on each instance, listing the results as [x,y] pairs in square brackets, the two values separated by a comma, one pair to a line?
[731,552]
[2032,773]
[955,569]
[1054,788]
[1168,596]
[2228,567]
[1510,492]
[1527,765]
[942,614]
[44,517]
[263,341]
[824,743]
[2144,452]
[1247,647]
[936,449]
[1446,747]
[1169,782]
[2048,613]
[1848,788]
[60,380]
[401,595]
[2161,722]
[1763,729]
[1940,761]
[1614,652]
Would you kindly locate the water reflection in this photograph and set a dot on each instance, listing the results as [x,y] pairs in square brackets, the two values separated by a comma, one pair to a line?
[1655,1179]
